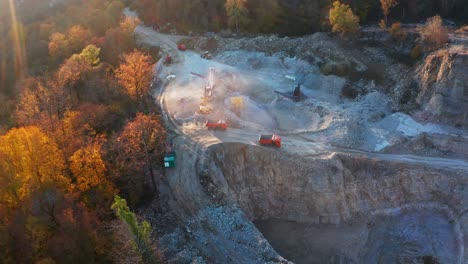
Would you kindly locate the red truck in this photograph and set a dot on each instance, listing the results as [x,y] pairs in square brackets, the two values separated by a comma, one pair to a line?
[220,125]
[168,60]
[182,47]
[270,140]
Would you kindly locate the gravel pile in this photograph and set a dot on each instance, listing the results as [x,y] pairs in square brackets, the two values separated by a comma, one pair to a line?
[218,229]
[332,56]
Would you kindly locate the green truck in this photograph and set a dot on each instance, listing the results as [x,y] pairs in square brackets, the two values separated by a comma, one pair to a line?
[169,160]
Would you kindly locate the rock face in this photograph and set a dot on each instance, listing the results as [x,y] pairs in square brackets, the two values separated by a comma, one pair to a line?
[339,190]
[443,84]
[271,184]
[353,204]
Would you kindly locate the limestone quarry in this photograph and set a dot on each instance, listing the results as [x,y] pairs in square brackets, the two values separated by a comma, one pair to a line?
[373,163]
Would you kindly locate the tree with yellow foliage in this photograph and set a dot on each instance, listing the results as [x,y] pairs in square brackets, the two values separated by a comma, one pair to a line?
[91,54]
[30,160]
[89,170]
[129,24]
[342,19]
[135,73]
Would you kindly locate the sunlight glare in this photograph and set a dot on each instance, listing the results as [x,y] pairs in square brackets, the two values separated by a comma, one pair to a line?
[18,44]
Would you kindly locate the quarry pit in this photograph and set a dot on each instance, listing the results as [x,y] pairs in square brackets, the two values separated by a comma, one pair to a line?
[312,201]
[331,194]
[266,207]
[343,209]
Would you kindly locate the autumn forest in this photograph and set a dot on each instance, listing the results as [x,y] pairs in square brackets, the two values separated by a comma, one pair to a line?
[78,128]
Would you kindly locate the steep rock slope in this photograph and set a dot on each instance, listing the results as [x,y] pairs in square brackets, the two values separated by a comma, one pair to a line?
[267,183]
[443,84]
[338,192]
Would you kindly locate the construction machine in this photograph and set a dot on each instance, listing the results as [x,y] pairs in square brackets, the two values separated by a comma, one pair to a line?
[206,55]
[204,107]
[169,156]
[212,125]
[270,140]
[168,60]
[295,95]
[237,105]
[169,160]
[207,92]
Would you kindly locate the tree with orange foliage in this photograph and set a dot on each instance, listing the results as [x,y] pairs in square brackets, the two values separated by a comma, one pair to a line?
[386,5]
[37,99]
[78,37]
[433,34]
[55,227]
[140,151]
[42,106]
[397,32]
[135,73]
[28,106]
[58,46]
[73,70]
[119,40]
[71,133]
[79,236]
[63,45]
